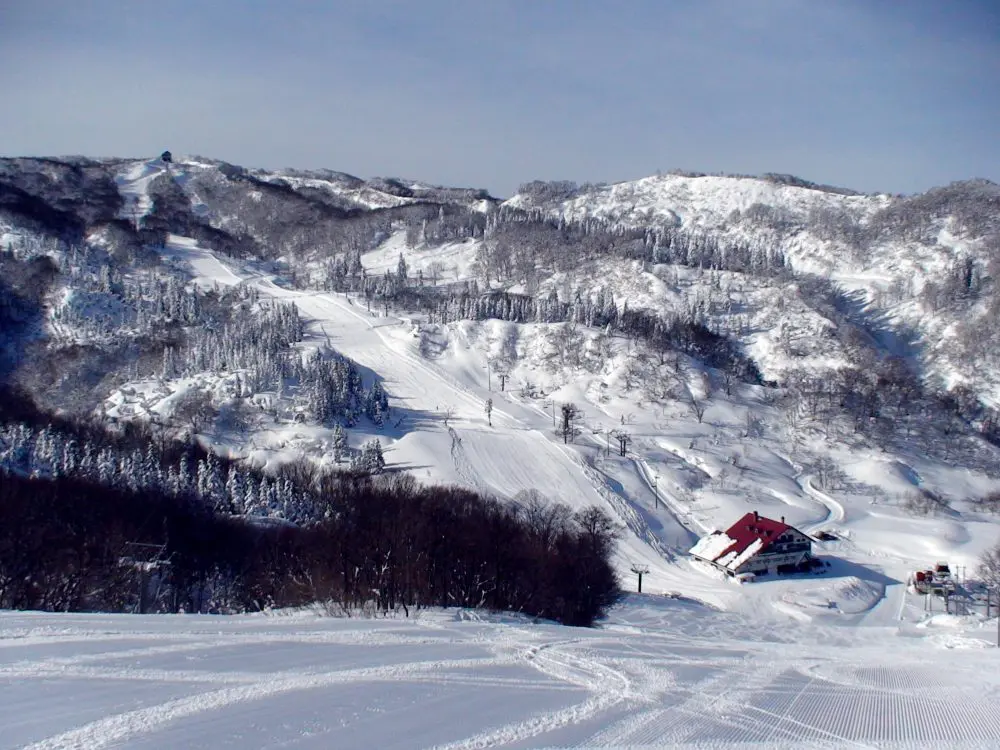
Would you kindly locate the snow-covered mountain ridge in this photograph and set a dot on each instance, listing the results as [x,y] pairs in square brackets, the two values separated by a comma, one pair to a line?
[924,265]
[688,200]
[912,276]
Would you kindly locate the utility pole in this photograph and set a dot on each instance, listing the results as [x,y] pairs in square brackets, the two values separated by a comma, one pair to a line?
[639,570]
[997,609]
[146,559]
[656,490]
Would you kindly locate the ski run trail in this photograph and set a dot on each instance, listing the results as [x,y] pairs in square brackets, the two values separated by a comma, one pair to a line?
[445,417]
[844,660]
[659,672]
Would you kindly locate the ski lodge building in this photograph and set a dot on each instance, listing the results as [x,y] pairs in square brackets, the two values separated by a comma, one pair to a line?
[754,544]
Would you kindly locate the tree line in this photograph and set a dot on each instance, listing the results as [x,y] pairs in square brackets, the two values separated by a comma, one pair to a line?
[687,333]
[80,539]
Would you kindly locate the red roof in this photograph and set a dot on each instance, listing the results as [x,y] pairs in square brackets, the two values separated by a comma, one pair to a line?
[752,527]
[746,538]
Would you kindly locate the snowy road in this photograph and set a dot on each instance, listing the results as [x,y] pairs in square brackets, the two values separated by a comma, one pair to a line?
[660,673]
[835,510]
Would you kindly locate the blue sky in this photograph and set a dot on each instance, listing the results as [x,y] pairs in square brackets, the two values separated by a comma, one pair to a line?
[877,95]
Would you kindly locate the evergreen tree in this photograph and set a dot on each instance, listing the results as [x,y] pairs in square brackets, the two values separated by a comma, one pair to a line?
[370,460]
[235,490]
[107,468]
[340,444]
[182,481]
[250,500]
[210,487]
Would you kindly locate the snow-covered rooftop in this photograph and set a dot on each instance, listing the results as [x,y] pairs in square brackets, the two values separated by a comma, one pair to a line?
[747,537]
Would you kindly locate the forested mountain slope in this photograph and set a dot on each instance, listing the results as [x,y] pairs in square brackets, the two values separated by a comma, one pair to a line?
[915,273]
[671,350]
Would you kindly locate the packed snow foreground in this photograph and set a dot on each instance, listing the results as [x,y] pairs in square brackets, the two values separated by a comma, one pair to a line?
[660,672]
[848,658]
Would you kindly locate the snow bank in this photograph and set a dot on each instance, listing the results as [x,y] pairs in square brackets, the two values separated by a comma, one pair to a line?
[845,596]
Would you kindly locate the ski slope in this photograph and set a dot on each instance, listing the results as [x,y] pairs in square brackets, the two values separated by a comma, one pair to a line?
[659,673]
[443,434]
[133,185]
[680,478]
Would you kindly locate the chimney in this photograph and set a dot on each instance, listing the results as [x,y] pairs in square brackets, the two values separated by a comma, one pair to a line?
[755,516]
[782,519]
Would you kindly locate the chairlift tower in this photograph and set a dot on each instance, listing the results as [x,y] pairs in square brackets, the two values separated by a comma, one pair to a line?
[639,570]
[146,559]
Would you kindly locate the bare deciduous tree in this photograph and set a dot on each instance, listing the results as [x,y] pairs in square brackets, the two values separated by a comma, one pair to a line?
[728,381]
[826,471]
[195,409]
[989,568]
[435,270]
[751,425]
[697,407]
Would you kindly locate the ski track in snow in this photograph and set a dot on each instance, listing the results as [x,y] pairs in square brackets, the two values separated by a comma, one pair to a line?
[688,687]
[114,729]
[133,185]
[835,510]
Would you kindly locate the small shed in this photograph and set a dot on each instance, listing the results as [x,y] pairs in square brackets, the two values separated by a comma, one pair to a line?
[754,544]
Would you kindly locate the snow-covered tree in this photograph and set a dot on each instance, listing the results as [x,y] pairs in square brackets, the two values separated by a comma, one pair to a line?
[370,459]
[211,487]
[340,445]
[235,490]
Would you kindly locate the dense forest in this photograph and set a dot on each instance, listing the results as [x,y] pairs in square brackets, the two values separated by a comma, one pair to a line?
[91,519]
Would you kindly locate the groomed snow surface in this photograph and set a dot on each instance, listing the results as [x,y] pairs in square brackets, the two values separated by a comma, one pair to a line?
[660,672]
[848,658]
